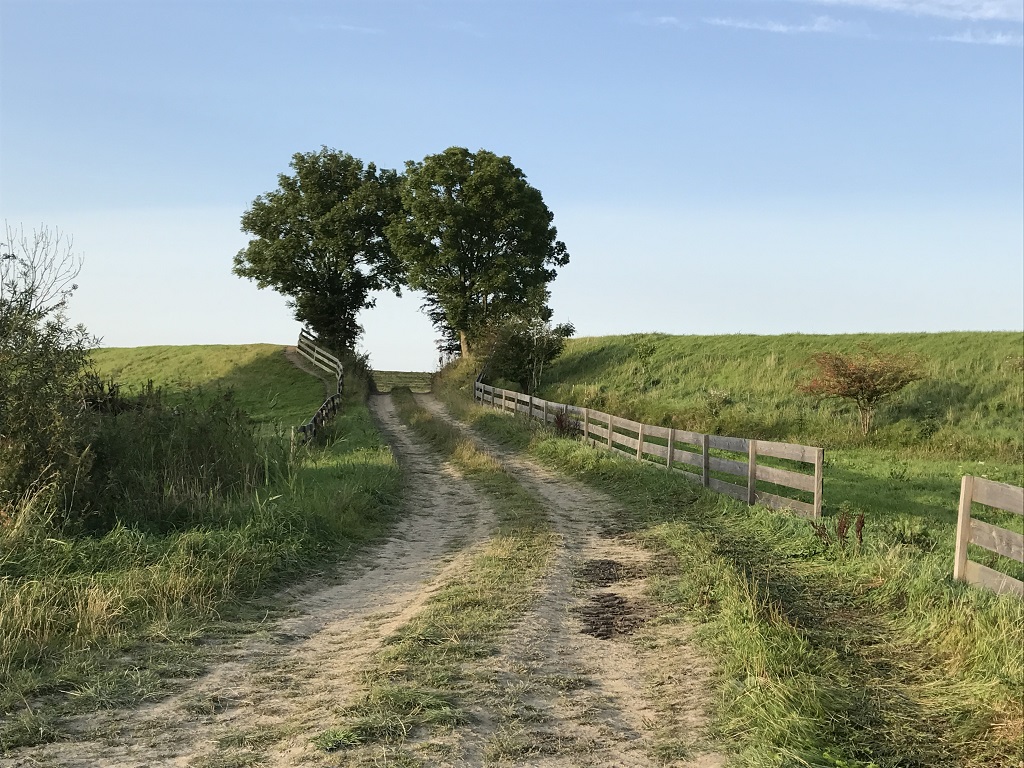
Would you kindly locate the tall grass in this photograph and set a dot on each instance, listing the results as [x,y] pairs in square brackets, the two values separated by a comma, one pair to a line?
[190,509]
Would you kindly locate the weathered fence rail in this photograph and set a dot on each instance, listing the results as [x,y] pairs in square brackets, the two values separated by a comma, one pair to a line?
[688,453]
[310,349]
[1003,541]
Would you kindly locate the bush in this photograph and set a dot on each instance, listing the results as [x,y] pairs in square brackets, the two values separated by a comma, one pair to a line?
[42,360]
[866,379]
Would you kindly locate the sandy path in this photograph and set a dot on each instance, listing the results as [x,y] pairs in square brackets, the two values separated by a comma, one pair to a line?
[583,680]
[586,678]
[273,692]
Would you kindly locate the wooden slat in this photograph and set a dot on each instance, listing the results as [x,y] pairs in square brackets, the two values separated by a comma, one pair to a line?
[727,465]
[976,573]
[656,450]
[737,444]
[785,477]
[599,416]
[736,491]
[623,440]
[781,502]
[632,426]
[596,431]
[963,528]
[786,451]
[690,438]
[999,495]
[652,431]
[1003,541]
[686,457]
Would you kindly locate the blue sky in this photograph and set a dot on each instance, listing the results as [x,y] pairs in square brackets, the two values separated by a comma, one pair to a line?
[767,166]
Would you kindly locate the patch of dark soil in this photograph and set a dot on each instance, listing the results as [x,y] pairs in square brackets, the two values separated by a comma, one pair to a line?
[608,614]
[604,573]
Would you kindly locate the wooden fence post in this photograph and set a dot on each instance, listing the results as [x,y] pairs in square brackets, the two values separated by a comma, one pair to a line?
[669,459]
[963,528]
[640,443]
[586,425]
[751,472]
[819,481]
[706,448]
[611,427]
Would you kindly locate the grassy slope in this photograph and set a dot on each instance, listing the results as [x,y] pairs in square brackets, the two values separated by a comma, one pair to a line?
[77,615]
[970,406]
[965,418]
[265,384]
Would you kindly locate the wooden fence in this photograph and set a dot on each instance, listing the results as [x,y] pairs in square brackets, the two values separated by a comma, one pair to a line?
[689,453]
[1003,541]
[310,349]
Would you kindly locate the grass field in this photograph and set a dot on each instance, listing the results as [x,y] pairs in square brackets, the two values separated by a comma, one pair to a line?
[415,381]
[965,417]
[102,619]
[827,655]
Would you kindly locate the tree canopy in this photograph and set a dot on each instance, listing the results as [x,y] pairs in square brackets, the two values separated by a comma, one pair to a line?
[319,239]
[478,239]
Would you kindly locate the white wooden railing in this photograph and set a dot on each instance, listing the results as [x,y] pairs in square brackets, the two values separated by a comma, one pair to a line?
[684,452]
[1003,541]
[309,347]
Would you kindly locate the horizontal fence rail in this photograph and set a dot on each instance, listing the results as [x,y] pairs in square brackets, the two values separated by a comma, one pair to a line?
[309,348]
[692,454]
[1003,541]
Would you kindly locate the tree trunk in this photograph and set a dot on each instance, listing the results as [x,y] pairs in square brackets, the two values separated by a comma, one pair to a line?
[464,343]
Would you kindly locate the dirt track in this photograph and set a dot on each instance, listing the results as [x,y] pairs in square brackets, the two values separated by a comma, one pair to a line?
[587,678]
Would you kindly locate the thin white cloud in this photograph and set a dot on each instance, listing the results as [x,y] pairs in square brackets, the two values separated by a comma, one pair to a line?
[657,21]
[821,24]
[977,37]
[972,10]
[331,25]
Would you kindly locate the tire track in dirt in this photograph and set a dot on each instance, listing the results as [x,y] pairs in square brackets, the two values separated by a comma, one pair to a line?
[273,692]
[581,681]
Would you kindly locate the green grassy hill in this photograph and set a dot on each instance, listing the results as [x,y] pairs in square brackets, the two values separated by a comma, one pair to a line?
[263,382]
[966,417]
[969,406]
[417,381]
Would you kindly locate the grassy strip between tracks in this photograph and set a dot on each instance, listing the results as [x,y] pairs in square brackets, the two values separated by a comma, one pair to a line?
[838,656]
[419,681]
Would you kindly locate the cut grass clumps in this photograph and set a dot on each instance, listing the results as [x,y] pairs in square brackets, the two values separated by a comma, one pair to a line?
[419,682]
[105,614]
[826,656]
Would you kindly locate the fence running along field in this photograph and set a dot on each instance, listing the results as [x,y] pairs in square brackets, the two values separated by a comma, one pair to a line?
[325,361]
[1003,541]
[688,453]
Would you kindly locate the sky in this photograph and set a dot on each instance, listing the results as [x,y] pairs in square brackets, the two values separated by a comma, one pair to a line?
[757,166]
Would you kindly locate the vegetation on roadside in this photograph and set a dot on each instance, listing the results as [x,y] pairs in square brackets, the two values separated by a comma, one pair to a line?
[828,655]
[193,505]
[420,681]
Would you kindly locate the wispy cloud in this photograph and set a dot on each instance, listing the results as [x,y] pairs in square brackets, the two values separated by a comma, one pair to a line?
[977,37]
[821,24]
[658,21]
[331,25]
[973,10]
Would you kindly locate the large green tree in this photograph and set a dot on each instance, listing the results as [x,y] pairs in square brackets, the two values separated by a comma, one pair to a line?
[478,239]
[319,239]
